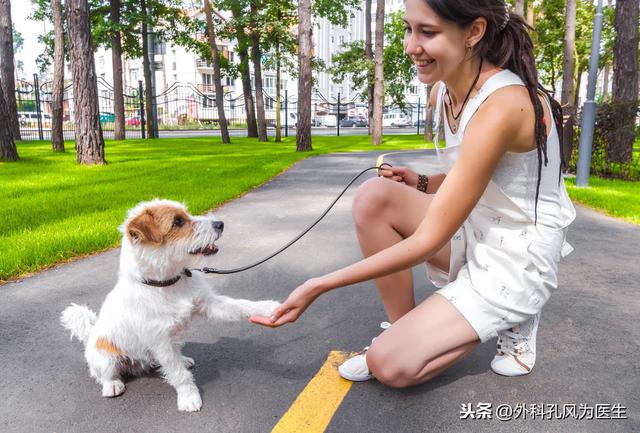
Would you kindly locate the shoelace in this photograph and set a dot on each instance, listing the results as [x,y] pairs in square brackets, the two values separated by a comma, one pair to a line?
[512,342]
[383,325]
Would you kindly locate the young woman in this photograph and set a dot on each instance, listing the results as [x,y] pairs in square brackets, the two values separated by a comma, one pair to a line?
[491,228]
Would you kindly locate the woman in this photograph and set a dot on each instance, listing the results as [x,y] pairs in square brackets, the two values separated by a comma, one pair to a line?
[491,228]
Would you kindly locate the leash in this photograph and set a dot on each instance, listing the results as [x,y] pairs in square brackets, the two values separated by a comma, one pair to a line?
[379,166]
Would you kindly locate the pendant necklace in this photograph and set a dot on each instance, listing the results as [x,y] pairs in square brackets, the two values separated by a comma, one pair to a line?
[454,127]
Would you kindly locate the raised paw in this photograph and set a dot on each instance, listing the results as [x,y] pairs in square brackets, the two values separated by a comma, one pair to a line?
[189,400]
[264,308]
[188,362]
[112,388]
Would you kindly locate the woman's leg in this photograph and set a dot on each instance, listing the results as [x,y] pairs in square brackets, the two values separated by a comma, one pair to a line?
[385,212]
[423,343]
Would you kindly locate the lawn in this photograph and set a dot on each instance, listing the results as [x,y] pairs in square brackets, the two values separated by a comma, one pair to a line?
[617,198]
[53,209]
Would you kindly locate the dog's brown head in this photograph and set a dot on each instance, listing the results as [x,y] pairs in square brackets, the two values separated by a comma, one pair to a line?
[165,223]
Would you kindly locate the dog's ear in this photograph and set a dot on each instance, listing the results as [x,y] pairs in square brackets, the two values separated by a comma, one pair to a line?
[144,228]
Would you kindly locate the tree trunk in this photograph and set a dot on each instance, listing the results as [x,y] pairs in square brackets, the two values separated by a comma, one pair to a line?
[89,141]
[116,62]
[303,130]
[243,67]
[257,73]
[568,67]
[217,80]
[531,15]
[428,116]
[378,94]
[605,83]
[368,53]
[519,8]
[7,70]
[57,109]
[625,79]
[146,66]
[8,151]
[278,126]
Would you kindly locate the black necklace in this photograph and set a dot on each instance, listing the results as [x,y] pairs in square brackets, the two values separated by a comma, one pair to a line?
[456,116]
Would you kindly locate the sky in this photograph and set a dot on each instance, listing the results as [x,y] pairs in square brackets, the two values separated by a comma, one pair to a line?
[20,11]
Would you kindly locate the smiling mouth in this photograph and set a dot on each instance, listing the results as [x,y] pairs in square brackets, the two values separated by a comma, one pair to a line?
[209,250]
[423,62]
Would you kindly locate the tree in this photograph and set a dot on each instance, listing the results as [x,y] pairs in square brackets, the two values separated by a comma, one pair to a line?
[519,8]
[568,66]
[303,131]
[116,63]
[625,79]
[378,93]
[7,67]
[88,131]
[368,55]
[8,151]
[147,65]
[57,113]
[222,119]
[257,70]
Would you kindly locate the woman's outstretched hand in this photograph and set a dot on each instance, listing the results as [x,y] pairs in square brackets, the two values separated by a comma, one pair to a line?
[292,308]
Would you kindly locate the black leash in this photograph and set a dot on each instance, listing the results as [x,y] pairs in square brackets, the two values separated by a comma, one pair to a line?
[233,271]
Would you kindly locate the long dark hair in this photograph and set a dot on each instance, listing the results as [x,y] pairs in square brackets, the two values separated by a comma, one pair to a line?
[507,44]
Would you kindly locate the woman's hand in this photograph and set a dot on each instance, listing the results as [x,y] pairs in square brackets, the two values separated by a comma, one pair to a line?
[400,174]
[293,307]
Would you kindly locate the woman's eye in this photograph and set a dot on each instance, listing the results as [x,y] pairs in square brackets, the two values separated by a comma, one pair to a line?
[407,29]
[178,222]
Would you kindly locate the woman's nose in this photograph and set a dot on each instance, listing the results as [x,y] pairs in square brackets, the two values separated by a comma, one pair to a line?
[411,45]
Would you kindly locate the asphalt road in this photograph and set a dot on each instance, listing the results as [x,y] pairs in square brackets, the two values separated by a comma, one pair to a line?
[588,341]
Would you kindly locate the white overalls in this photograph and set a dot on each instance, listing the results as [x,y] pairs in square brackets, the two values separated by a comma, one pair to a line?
[503,267]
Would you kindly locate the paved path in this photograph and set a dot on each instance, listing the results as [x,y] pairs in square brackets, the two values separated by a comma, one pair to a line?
[249,376]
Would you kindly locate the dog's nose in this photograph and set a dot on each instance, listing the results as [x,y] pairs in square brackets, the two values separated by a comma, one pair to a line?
[218,225]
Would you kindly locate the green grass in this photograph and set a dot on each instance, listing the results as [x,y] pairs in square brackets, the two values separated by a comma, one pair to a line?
[617,198]
[54,209]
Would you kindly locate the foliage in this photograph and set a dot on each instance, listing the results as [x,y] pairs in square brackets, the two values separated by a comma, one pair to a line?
[398,68]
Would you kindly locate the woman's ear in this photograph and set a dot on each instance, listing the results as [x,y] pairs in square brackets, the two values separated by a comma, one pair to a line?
[476,31]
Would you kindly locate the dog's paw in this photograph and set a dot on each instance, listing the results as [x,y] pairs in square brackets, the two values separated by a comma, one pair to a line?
[189,400]
[188,362]
[264,308]
[112,388]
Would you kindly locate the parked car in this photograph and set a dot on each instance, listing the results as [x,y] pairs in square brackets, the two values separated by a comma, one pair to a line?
[107,117]
[134,121]
[354,121]
[421,123]
[395,119]
[30,118]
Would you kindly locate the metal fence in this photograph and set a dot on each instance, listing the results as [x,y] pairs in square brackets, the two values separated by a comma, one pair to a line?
[188,107]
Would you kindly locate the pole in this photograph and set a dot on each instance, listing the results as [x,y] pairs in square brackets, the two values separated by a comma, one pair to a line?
[338,116]
[141,99]
[418,122]
[589,107]
[286,113]
[36,88]
[152,62]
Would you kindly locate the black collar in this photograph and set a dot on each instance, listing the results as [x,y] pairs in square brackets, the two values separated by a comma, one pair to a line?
[166,283]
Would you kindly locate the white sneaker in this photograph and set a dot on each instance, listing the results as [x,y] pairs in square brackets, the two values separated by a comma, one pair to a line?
[355,368]
[516,353]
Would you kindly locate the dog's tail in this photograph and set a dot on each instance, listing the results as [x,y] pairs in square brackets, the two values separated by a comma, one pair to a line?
[79,320]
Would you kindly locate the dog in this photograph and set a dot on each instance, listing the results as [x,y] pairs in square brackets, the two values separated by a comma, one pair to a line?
[143,319]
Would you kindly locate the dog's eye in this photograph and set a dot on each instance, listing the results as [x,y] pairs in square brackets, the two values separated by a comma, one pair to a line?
[178,222]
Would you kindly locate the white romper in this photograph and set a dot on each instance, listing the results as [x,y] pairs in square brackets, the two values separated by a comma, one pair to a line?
[503,267]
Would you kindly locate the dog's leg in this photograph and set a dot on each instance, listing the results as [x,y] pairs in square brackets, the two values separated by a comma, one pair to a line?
[230,309]
[177,375]
[105,369]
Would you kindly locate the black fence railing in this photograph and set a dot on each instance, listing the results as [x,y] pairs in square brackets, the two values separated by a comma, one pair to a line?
[193,107]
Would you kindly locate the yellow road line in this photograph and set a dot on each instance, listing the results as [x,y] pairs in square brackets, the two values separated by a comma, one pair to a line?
[312,411]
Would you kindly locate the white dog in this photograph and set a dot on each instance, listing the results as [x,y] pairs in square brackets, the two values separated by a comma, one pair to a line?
[143,318]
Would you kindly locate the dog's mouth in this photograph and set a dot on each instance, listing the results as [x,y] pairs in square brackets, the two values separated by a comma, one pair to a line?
[209,250]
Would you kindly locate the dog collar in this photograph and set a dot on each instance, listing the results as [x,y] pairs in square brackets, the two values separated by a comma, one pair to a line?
[166,283]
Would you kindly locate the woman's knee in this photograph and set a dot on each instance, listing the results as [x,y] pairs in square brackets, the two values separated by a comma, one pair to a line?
[370,200]
[388,368]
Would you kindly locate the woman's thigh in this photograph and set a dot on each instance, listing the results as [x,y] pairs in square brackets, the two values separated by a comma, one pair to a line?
[404,209]
[424,341]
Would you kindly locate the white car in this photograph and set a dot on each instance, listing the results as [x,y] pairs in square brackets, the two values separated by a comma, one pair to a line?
[395,119]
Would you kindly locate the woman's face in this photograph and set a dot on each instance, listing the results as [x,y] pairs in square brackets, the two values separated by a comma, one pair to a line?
[436,46]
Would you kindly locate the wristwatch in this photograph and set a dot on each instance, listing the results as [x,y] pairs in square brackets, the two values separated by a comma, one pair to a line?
[423,182]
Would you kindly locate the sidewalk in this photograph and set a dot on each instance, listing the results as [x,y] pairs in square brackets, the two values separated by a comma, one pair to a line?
[588,341]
